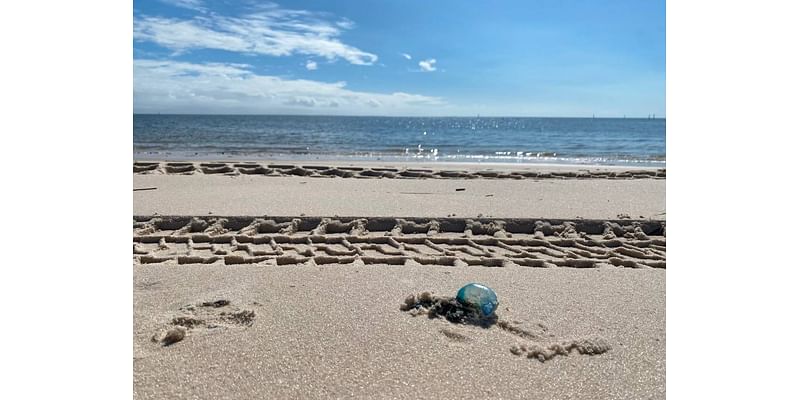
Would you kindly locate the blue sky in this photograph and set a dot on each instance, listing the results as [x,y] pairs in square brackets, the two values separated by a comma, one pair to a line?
[400,57]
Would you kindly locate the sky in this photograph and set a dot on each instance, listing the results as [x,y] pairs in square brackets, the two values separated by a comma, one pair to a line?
[400,57]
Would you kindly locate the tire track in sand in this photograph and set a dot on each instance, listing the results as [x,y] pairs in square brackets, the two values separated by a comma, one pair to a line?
[324,171]
[399,241]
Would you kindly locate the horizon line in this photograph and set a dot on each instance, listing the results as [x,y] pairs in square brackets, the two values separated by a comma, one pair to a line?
[395,116]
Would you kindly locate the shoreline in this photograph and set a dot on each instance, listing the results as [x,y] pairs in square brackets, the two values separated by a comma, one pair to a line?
[140,166]
[332,159]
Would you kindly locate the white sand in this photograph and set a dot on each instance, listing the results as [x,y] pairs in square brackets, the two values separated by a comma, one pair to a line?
[337,332]
[259,195]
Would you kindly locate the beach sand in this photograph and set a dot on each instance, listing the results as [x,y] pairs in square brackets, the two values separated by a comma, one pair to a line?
[270,307]
[565,196]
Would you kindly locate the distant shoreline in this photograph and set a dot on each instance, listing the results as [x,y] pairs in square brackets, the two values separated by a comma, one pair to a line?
[396,116]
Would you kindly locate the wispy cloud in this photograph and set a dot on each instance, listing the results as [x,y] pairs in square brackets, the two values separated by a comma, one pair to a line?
[196,5]
[311,65]
[269,31]
[406,56]
[427,65]
[183,87]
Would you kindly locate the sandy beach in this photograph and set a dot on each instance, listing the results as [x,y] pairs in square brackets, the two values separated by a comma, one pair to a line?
[287,282]
[502,191]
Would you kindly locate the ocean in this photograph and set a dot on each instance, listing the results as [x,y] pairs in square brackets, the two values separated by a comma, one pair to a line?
[586,141]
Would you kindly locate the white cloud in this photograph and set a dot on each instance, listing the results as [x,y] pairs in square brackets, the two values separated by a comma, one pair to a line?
[406,56]
[345,23]
[269,31]
[427,65]
[311,65]
[182,87]
[196,5]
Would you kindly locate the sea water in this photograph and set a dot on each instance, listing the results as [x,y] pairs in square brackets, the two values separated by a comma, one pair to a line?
[598,141]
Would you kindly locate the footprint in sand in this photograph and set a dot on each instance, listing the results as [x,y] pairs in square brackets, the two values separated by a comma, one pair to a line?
[204,316]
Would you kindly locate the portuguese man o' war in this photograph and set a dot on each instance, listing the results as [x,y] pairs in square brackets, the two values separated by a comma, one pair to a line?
[475,304]
[478,296]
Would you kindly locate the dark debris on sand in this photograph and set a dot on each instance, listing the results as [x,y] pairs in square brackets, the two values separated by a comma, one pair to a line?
[448,308]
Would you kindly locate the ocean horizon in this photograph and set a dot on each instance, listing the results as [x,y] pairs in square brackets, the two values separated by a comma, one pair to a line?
[479,139]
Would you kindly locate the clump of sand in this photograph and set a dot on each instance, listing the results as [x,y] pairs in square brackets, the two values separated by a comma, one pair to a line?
[170,336]
[543,353]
